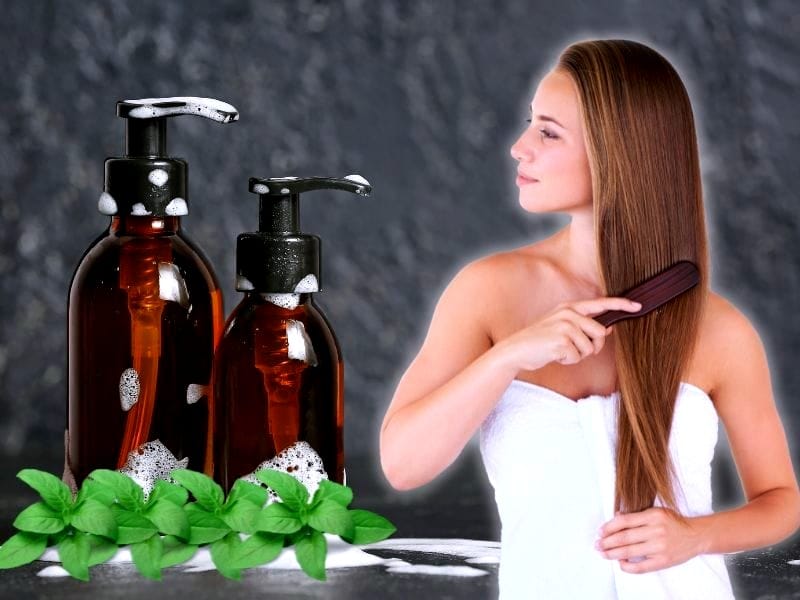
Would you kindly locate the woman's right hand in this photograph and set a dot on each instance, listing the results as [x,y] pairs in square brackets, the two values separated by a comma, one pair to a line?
[566,335]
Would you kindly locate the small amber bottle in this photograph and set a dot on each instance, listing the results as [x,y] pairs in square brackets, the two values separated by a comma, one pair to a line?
[278,375]
[145,314]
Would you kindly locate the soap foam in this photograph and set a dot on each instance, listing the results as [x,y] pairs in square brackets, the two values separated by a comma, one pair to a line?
[260,188]
[172,285]
[359,179]
[284,190]
[298,460]
[190,105]
[158,177]
[138,210]
[307,284]
[150,462]
[243,283]
[194,392]
[106,204]
[289,301]
[300,346]
[177,208]
[451,570]
[128,389]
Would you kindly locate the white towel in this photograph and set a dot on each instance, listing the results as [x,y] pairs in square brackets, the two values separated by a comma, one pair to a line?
[551,463]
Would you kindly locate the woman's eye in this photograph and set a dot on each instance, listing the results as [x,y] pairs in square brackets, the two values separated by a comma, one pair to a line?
[545,133]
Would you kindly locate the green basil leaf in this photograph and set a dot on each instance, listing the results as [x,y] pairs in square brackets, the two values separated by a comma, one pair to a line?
[127,491]
[369,527]
[205,527]
[169,518]
[292,493]
[331,517]
[54,538]
[241,515]
[330,490]
[132,527]
[74,551]
[310,551]
[259,549]
[90,489]
[39,518]
[100,550]
[92,517]
[224,552]
[164,490]
[175,551]
[277,518]
[244,490]
[147,557]
[205,490]
[55,493]
[22,548]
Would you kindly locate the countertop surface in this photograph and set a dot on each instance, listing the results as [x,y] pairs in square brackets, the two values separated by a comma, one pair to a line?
[458,505]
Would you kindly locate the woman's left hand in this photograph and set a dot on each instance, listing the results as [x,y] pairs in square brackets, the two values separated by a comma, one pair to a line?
[654,533]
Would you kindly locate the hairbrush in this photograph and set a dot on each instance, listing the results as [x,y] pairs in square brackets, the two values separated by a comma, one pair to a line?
[655,292]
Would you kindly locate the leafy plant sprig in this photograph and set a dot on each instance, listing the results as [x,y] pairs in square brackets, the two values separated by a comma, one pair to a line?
[164,530]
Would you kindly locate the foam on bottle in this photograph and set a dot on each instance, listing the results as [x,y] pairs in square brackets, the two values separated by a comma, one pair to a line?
[138,210]
[194,392]
[290,300]
[260,188]
[298,460]
[129,389]
[243,283]
[158,177]
[171,284]
[212,108]
[177,207]
[300,346]
[358,179]
[106,204]
[150,462]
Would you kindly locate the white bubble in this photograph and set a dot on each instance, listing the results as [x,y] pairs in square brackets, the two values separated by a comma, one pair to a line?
[300,346]
[128,389]
[53,571]
[243,283]
[284,190]
[158,177]
[150,462]
[171,284]
[357,178]
[260,188]
[106,204]
[298,460]
[307,284]
[289,301]
[194,392]
[177,208]
[138,210]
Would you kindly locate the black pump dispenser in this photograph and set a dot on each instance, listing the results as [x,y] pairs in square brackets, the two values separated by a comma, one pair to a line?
[147,182]
[278,257]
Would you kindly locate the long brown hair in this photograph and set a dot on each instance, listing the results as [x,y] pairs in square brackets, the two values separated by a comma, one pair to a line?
[648,214]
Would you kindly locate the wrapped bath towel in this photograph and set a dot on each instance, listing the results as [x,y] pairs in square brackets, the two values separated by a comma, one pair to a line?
[550,461]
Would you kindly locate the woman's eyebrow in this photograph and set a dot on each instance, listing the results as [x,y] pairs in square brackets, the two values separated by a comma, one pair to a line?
[546,118]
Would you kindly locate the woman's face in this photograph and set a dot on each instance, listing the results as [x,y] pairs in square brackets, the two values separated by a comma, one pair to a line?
[553,153]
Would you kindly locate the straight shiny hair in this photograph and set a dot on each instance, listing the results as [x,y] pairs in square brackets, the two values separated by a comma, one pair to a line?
[648,214]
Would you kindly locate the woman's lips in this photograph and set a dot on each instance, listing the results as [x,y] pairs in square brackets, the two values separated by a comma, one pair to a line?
[522,180]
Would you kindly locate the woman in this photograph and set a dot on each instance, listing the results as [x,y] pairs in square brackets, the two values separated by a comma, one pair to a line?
[592,434]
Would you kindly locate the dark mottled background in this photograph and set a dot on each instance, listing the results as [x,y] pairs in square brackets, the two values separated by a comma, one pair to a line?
[421,98]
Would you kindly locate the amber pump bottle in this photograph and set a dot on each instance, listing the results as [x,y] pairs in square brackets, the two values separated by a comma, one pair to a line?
[278,377]
[145,313]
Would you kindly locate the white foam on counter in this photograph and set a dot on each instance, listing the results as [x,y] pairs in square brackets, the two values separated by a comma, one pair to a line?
[128,389]
[177,208]
[106,204]
[300,346]
[190,105]
[138,210]
[158,177]
[53,571]
[450,570]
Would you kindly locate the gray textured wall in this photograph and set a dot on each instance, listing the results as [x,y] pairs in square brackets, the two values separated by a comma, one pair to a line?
[423,99]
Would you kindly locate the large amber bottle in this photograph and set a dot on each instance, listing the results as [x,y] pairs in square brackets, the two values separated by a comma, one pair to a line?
[145,314]
[278,377]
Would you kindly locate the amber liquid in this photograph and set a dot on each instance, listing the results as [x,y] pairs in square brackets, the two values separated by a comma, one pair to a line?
[265,401]
[118,320]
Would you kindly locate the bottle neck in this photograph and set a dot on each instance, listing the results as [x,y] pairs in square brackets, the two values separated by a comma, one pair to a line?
[144,225]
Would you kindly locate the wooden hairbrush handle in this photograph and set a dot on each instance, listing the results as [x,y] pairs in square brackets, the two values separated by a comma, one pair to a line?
[656,291]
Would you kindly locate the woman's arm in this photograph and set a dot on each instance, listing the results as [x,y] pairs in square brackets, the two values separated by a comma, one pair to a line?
[744,401]
[451,386]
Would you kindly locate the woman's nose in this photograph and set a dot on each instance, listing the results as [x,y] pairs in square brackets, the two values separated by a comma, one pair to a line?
[520,150]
